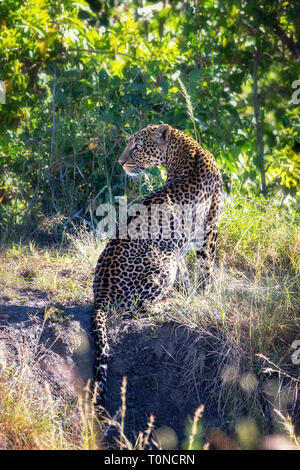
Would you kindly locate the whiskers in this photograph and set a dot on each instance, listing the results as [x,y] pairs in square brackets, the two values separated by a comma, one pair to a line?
[134,171]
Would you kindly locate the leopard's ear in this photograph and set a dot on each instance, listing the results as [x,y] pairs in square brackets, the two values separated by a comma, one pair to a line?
[162,134]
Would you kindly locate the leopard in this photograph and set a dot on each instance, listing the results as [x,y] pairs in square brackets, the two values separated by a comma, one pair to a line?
[139,268]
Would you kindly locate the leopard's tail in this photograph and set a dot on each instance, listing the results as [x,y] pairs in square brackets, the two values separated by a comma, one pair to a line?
[101,345]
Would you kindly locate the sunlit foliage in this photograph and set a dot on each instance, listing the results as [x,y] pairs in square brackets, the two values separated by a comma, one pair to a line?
[80,76]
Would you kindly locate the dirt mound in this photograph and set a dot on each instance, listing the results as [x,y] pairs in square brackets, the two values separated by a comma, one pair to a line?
[163,364]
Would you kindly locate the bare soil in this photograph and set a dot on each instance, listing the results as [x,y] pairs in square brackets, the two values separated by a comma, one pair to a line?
[162,379]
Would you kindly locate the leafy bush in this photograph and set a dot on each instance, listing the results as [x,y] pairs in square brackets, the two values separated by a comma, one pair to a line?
[81,76]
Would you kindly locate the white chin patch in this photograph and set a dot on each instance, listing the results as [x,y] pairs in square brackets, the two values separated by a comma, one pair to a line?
[131,173]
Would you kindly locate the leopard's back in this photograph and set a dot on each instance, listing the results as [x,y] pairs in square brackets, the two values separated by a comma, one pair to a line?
[141,268]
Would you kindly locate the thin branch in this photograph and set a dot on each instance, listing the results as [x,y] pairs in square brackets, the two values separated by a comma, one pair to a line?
[277,369]
[294,47]
[259,128]
[52,140]
[53,119]
[34,199]
[100,51]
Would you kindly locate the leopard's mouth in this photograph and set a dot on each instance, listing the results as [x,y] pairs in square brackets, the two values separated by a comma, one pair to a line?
[133,171]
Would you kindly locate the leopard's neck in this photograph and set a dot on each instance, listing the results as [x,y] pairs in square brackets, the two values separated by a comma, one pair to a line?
[180,157]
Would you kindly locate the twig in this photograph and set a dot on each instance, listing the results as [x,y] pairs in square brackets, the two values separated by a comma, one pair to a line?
[259,128]
[277,369]
[33,199]
[52,140]
[100,51]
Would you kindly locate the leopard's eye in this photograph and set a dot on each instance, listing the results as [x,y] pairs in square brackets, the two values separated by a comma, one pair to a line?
[136,146]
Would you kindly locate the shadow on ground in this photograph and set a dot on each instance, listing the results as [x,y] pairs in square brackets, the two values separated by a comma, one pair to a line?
[163,364]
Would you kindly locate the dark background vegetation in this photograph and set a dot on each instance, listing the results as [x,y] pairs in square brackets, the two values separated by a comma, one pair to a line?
[80,76]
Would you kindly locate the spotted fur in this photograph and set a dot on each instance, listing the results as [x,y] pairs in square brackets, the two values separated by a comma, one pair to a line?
[133,272]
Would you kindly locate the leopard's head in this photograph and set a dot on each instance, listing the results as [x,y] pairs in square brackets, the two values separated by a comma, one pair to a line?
[145,149]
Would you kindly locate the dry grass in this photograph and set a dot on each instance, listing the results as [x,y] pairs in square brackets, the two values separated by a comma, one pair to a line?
[250,319]
[61,276]
[31,417]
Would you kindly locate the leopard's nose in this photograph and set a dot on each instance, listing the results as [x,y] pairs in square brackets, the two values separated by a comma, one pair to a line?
[123,158]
